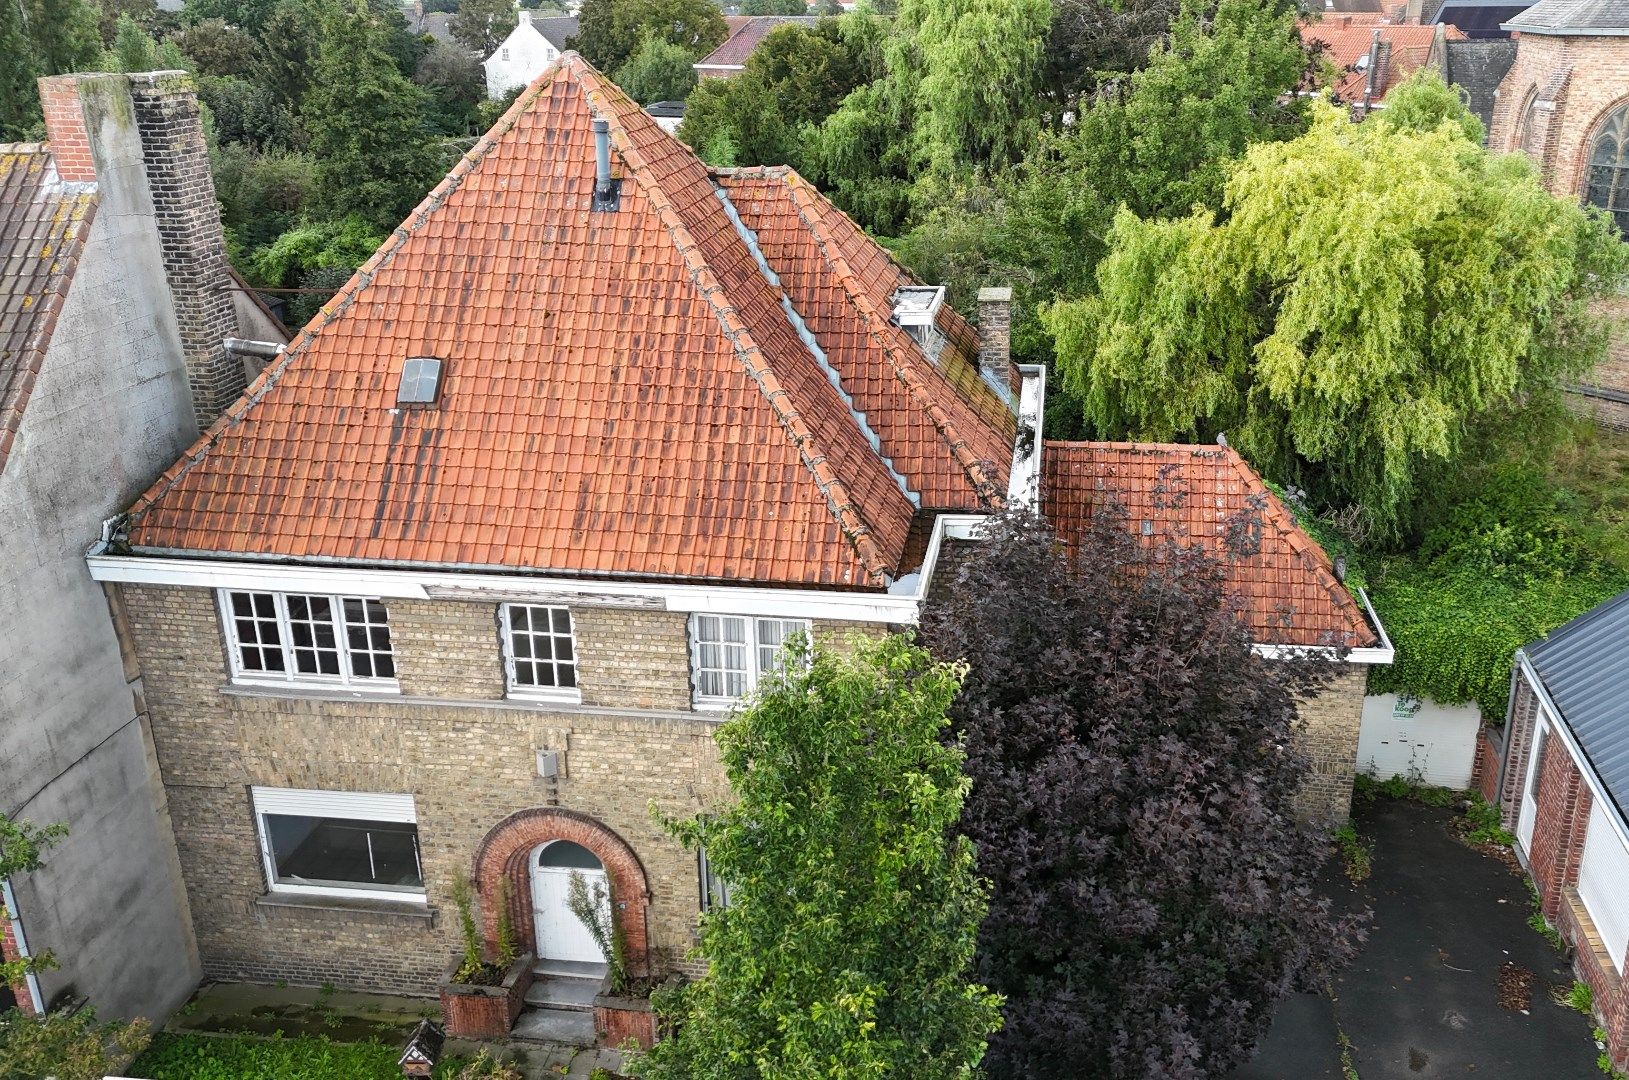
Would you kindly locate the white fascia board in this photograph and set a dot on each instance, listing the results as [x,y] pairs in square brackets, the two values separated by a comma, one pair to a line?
[412,584]
[719,67]
[1579,759]
[1384,653]
[1024,479]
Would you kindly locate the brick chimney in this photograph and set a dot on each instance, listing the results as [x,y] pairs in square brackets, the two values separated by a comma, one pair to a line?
[995,334]
[140,138]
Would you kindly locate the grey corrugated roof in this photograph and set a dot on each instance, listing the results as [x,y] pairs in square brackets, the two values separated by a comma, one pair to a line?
[1479,67]
[1573,17]
[1585,669]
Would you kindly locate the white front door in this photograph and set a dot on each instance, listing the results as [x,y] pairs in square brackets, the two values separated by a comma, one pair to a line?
[560,934]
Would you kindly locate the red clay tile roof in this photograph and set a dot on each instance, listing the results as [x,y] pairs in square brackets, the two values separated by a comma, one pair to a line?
[43,226]
[1288,587]
[624,393]
[748,36]
[1348,37]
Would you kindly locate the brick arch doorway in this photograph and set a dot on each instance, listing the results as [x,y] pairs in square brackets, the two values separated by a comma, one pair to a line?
[506,854]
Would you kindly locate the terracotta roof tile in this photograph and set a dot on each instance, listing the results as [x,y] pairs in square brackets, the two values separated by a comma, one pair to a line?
[1191,493]
[1348,37]
[43,226]
[624,393]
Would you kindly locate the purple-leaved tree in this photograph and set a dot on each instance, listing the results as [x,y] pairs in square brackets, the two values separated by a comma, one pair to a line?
[1134,771]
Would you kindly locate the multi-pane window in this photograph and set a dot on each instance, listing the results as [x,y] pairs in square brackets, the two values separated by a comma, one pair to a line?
[299,637]
[732,654]
[1608,184]
[539,652]
[715,891]
[339,843]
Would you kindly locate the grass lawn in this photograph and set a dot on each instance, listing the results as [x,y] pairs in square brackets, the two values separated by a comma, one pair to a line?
[238,1057]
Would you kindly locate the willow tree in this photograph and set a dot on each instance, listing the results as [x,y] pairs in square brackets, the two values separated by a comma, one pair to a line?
[853,908]
[1368,293]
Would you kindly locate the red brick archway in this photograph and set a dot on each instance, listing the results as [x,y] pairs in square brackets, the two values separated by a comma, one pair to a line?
[505,853]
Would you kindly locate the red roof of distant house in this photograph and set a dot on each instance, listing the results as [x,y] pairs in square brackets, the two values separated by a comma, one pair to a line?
[1288,588]
[1349,38]
[624,393]
[733,53]
[43,226]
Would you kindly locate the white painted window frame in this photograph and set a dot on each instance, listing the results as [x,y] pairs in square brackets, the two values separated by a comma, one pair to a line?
[521,691]
[352,805]
[715,891]
[754,672]
[290,676]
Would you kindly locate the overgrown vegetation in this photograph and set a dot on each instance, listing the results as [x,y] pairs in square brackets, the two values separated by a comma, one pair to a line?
[216,1057]
[1357,857]
[473,968]
[846,944]
[66,1046]
[1579,997]
[594,906]
[1538,923]
[1484,824]
[1153,893]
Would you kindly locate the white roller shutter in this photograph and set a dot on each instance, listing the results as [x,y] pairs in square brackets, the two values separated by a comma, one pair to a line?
[1603,883]
[363,806]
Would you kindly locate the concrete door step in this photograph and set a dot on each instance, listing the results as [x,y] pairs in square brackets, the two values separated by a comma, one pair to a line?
[577,969]
[563,992]
[570,1026]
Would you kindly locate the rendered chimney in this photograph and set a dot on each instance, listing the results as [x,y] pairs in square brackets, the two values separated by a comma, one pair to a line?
[96,125]
[995,334]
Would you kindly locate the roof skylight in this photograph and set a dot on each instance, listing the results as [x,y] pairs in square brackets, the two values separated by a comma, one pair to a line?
[421,381]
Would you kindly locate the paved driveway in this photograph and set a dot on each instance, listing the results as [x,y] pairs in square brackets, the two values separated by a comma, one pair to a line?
[1423,998]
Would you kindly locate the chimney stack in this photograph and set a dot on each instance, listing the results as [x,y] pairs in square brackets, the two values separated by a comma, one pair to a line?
[995,335]
[140,138]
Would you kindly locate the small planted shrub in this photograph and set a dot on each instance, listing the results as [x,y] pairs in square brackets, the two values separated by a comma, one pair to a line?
[593,906]
[473,970]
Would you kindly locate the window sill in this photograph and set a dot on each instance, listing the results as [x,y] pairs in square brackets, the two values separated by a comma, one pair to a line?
[399,909]
[522,696]
[328,691]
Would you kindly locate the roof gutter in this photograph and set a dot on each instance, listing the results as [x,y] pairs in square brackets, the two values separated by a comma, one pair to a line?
[1384,653]
[1558,721]
[9,898]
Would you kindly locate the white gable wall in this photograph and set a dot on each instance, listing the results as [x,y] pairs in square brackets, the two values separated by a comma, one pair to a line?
[520,59]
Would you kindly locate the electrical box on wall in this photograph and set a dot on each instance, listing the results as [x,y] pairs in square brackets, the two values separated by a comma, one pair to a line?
[548,764]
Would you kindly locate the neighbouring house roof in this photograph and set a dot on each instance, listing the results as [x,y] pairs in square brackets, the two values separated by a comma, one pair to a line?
[1349,40]
[1477,18]
[732,54]
[557,30]
[1196,494]
[1582,665]
[1478,67]
[703,384]
[44,222]
[1604,17]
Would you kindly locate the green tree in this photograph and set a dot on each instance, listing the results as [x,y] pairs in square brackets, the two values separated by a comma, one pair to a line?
[481,25]
[853,910]
[132,49]
[978,95]
[659,71]
[365,126]
[250,15]
[775,7]
[456,86]
[262,194]
[288,50]
[22,851]
[219,49]
[145,12]
[19,98]
[609,31]
[1373,290]
[63,34]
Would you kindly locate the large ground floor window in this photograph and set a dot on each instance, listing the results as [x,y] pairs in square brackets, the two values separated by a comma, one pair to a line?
[339,843]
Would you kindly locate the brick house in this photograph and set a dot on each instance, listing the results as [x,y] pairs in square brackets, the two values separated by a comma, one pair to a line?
[115,297]
[1565,103]
[1564,790]
[746,34]
[466,580]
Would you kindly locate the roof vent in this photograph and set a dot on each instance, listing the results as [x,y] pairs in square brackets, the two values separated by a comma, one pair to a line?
[607,192]
[420,382]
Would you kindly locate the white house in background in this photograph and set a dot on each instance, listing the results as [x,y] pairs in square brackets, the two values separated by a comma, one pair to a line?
[531,46]
[1565,792]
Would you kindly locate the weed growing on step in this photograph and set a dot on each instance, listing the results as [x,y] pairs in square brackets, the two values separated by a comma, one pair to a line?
[1578,997]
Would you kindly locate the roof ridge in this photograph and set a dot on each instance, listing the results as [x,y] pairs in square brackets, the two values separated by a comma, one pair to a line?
[347,294]
[838,498]
[983,485]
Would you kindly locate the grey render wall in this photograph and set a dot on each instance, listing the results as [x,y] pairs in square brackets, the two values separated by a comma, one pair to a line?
[110,411]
